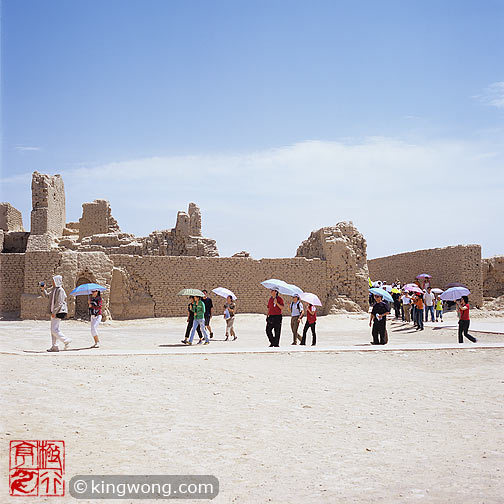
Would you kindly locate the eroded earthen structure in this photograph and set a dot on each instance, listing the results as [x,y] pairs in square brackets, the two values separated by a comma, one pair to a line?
[143,274]
[493,276]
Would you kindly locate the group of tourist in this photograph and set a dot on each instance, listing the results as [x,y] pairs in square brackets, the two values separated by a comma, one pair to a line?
[59,310]
[408,306]
[415,306]
[199,315]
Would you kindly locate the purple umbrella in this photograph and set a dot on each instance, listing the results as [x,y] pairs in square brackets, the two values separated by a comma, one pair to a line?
[424,275]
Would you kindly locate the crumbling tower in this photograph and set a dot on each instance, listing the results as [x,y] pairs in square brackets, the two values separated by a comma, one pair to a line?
[48,211]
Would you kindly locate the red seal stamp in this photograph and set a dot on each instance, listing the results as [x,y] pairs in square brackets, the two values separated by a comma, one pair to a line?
[37,468]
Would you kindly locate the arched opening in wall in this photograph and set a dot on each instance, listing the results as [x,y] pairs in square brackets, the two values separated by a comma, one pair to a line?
[81,302]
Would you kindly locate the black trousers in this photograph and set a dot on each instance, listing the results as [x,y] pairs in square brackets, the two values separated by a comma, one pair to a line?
[379,328]
[462,331]
[273,329]
[305,330]
[189,327]
[397,309]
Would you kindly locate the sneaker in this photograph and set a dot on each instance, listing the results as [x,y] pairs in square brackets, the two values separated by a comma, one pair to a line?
[53,349]
[67,344]
[96,345]
[227,337]
[206,343]
[235,338]
[184,341]
[199,342]
[189,343]
[211,335]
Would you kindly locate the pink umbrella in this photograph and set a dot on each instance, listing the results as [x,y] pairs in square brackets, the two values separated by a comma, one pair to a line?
[412,288]
[310,298]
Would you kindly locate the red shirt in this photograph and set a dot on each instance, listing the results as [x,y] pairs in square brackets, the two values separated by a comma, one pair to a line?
[464,314]
[275,310]
[311,317]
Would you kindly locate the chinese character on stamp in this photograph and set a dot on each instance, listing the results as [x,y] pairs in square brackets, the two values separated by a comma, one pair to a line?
[37,468]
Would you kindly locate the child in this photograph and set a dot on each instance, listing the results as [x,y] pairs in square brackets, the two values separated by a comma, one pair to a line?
[439,309]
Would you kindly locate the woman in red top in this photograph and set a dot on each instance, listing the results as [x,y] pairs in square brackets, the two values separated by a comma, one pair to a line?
[274,318]
[464,320]
[311,320]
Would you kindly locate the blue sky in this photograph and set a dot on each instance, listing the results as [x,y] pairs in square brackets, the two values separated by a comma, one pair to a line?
[319,111]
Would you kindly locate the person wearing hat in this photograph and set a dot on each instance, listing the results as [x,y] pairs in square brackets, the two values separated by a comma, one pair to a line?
[274,318]
[297,312]
[58,309]
[378,319]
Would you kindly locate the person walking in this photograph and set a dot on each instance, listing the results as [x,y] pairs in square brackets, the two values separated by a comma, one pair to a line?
[58,309]
[419,310]
[208,311]
[397,304]
[297,312]
[229,317]
[439,309]
[190,321]
[95,310]
[198,309]
[311,320]
[274,318]
[429,304]
[406,303]
[464,320]
[378,319]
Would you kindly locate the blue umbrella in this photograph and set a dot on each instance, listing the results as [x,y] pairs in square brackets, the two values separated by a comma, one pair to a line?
[383,293]
[86,289]
[454,293]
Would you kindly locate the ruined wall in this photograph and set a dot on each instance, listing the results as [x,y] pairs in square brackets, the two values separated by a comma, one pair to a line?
[11,282]
[14,242]
[149,285]
[493,276]
[11,219]
[97,219]
[42,265]
[344,249]
[461,263]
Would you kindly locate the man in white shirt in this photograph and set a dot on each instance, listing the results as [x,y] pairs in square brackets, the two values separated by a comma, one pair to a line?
[429,304]
[406,301]
[297,313]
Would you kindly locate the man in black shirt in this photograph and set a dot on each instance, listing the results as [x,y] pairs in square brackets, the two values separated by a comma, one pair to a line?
[378,318]
[208,311]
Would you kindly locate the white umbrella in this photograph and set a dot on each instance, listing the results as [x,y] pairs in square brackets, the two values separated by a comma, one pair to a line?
[388,288]
[281,286]
[437,291]
[310,298]
[223,292]
[454,293]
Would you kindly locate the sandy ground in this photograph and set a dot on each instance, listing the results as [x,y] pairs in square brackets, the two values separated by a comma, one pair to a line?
[287,426]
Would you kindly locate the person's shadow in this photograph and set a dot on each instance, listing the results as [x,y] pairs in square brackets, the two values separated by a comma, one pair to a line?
[67,350]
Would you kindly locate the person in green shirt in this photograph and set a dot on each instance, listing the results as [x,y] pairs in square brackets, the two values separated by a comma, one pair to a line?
[198,308]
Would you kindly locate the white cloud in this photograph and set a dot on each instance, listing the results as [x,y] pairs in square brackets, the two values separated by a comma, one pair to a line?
[26,148]
[493,95]
[401,196]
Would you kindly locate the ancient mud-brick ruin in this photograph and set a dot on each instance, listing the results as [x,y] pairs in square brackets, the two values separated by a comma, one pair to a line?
[144,274]
[449,264]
